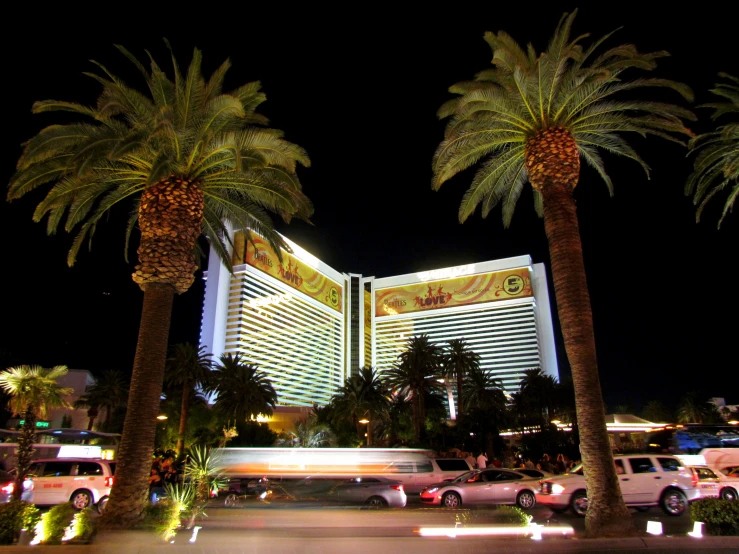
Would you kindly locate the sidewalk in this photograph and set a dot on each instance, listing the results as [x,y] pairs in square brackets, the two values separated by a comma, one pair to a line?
[233,542]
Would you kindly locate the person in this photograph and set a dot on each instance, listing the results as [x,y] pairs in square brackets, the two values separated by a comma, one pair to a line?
[497,462]
[482,461]
[545,464]
[619,467]
[529,464]
[559,465]
[471,460]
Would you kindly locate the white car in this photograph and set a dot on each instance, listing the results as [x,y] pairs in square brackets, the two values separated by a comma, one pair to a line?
[82,481]
[715,484]
[646,480]
[484,486]
[376,492]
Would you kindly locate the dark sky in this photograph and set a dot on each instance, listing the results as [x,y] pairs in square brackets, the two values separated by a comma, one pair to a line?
[359,88]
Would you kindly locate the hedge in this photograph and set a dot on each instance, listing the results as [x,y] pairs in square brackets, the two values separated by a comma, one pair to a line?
[720,517]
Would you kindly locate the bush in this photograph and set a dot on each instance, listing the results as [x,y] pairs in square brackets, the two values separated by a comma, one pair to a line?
[163,518]
[501,515]
[721,517]
[56,521]
[511,515]
[85,525]
[15,516]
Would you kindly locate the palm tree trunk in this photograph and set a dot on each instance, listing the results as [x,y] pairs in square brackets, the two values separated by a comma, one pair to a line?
[460,384]
[25,453]
[184,409]
[607,514]
[131,486]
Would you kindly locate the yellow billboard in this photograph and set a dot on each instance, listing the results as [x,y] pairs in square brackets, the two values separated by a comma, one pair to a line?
[292,271]
[459,291]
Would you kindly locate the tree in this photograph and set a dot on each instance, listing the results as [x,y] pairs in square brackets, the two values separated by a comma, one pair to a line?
[243,392]
[458,360]
[92,405]
[183,159]
[533,118]
[188,368]
[415,375]
[33,392]
[485,401]
[716,165]
[363,396]
[693,410]
[308,433]
[538,394]
[109,392]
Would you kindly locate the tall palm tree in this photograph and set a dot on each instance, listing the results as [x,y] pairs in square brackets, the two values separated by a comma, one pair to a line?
[363,396]
[533,117]
[243,392]
[716,165]
[190,368]
[486,404]
[415,375]
[692,410]
[111,391]
[539,393]
[458,360]
[183,159]
[92,405]
[33,392]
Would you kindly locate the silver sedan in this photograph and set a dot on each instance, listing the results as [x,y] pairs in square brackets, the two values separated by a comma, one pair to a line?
[376,492]
[484,486]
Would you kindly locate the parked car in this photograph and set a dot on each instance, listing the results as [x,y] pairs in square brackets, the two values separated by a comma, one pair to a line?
[715,484]
[82,481]
[535,473]
[376,492]
[7,486]
[415,476]
[484,486]
[645,481]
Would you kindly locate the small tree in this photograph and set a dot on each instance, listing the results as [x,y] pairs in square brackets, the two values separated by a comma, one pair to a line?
[33,391]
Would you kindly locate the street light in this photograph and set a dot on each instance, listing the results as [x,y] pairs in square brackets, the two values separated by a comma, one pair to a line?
[161,417]
[364,421]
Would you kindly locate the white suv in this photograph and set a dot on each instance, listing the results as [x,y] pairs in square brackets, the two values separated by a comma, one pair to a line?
[82,481]
[646,480]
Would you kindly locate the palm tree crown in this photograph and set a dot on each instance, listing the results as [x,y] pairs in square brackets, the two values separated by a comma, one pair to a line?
[458,360]
[208,150]
[243,391]
[528,109]
[363,395]
[716,165]
[34,389]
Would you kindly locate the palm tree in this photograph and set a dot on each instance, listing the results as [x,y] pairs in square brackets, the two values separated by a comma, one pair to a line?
[538,393]
[533,118]
[33,392]
[457,361]
[189,368]
[415,375]
[308,433]
[486,403]
[243,392]
[656,411]
[716,165]
[186,159]
[92,405]
[109,392]
[363,396]
[692,410]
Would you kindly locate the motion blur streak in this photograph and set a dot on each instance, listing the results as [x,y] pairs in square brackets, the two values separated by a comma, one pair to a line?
[496,530]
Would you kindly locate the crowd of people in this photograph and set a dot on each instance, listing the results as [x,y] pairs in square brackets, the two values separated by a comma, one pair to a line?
[561,464]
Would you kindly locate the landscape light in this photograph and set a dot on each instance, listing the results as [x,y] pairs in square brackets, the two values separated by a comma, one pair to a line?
[161,417]
[365,421]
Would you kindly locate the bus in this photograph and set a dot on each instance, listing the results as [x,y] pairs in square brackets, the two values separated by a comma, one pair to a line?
[414,468]
[715,446]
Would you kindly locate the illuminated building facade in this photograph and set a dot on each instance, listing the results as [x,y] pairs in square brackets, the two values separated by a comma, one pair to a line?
[309,327]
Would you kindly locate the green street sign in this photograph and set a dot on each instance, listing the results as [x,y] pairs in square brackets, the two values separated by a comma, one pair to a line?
[39,424]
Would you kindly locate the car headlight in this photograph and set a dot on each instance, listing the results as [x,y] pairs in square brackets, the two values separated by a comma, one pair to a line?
[432,490]
[557,488]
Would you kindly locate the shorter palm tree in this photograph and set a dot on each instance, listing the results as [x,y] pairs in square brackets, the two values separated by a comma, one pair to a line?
[108,393]
[363,396]
[243,392]
[716,165]
[416,375]
[486,404]
[458,360]
[189,368]
[308,433]
[33,392]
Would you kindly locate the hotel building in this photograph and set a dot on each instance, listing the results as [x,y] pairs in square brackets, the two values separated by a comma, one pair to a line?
[309,326]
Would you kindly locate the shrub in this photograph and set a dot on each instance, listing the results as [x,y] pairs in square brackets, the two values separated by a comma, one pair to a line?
[721,517]
[85,525]
[511,515]
[15,516]
[163,518]
[56,521]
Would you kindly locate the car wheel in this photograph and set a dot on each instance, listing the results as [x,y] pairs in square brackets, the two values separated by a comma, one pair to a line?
[451,500]
[231,501]
[728,493]
[102,504]
[579,503]
[526,500]
[376,502]
[81,499]
[674,502]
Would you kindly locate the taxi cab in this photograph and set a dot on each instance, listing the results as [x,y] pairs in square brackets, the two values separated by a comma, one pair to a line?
[82,481]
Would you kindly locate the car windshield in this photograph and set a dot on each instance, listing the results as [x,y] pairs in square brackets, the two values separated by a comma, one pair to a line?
[577,470]
[470,475]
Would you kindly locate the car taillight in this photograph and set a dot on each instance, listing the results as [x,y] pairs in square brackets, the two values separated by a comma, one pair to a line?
[397,487]
[109,481]
[695,480]
[9,488]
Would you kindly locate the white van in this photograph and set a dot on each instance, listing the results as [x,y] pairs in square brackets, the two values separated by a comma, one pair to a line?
[419,474]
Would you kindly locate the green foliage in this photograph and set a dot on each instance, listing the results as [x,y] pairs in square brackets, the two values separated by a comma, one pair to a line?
[108,393]
[308,433]
[204,474]
[85,524]
[243,391]
[363,396]
[721,517]
[581,88]
[511,515]
[500,515]
[15,516]
[716,165]
[56,521]
[186,126]
[163,518]
[253,433]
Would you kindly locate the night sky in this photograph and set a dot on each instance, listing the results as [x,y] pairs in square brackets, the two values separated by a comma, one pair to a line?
[358,88]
